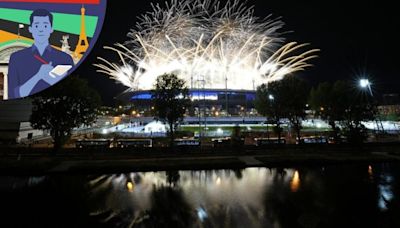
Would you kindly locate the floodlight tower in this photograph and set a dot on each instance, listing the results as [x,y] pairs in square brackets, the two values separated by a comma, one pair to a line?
[201,86]
[226,91]
[366,84]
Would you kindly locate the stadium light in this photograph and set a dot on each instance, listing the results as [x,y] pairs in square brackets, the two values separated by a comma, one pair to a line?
[366,84]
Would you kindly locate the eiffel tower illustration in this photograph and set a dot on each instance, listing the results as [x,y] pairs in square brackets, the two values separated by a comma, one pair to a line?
[83,43]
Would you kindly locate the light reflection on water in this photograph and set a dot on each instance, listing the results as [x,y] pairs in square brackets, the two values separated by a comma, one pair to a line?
[329,196]
[208,193]
[295,183]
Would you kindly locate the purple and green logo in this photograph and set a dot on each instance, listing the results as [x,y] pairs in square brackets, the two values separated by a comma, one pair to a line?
[43,41]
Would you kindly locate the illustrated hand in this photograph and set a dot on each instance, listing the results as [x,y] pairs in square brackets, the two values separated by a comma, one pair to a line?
[44,70]
[46,74]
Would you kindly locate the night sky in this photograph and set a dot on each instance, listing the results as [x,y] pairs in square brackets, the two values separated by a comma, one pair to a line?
[355,39]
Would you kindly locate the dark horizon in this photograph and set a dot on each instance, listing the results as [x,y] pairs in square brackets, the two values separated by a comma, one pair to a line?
[355,40]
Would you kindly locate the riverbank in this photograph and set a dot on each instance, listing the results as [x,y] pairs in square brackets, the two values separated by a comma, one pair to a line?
[25,161]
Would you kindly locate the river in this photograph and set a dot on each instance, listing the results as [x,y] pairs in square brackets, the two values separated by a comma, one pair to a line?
[347,195]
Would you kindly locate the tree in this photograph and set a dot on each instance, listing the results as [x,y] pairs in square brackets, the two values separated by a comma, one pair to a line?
[293,93]
[171,99]
[269,105]
[361,109]
[63,107]
[283,99]
[236,137]
[340,103]
[330,102]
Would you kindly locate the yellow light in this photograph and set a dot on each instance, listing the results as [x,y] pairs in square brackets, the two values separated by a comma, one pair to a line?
[133,112]
[370,172]
[120,107]
[152,108]
[322,109]
[116,120]
[129,186]
[218,181]
[216,113]
[295,183]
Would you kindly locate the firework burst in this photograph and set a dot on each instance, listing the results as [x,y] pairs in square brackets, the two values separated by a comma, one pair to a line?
[223,46]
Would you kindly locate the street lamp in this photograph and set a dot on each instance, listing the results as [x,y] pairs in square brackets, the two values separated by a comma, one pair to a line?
[366,84]
[271,98]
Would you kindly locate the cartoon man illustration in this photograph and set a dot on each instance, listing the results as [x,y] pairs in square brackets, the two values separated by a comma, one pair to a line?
[30,69]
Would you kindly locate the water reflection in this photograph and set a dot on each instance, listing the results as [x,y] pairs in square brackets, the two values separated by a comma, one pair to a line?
[295,183]
[385,185]
[330,196]
[129,186]
[209,197]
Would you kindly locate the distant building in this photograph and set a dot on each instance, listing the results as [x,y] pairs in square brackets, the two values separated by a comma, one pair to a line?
[14,121]
[390,105]
[5,52]
[391,99]
[208,102]
[14,114]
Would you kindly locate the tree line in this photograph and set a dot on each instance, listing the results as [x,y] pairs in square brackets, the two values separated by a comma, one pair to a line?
[343,106]
[72,104]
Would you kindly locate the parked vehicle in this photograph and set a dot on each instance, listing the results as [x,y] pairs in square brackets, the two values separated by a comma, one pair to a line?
[93,143]
[269,141]
[134,143]
[187,142]
[313,140]
[341,140]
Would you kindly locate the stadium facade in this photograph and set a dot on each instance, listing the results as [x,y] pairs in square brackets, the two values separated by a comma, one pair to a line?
[208,102]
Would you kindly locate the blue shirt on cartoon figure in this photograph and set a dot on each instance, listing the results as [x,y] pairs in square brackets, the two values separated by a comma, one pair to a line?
[29,69]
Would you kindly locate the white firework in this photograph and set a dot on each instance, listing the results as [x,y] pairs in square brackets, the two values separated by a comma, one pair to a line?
[223,46]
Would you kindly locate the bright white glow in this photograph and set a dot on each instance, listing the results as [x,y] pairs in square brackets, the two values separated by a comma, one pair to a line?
[385,191]
[155,127]
[198,97]
[364,83]
[202,214]
[220,131]
[105,131]
[271,97]
[204,40]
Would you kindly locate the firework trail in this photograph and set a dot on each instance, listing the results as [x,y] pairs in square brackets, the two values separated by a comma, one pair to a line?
[223,46]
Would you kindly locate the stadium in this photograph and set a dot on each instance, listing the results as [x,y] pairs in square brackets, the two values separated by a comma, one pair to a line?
[209,102]
[221,50]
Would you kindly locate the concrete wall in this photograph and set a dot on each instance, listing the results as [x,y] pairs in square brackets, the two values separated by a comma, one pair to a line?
[15,110]
[14,120]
